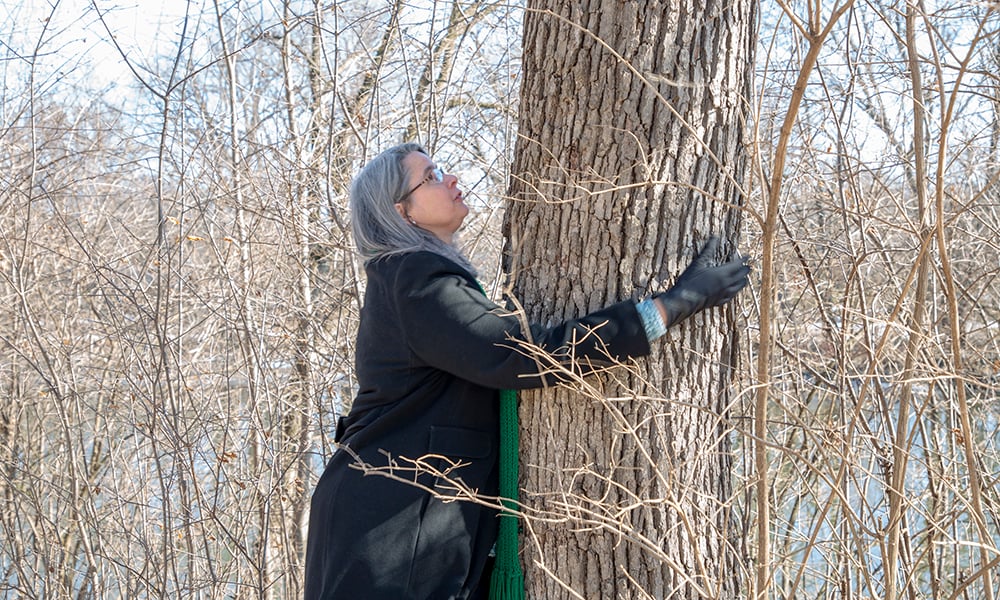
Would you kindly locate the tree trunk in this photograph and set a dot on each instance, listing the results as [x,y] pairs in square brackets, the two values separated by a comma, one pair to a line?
[631,152]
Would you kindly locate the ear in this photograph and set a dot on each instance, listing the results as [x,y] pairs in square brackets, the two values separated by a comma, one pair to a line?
[401,210]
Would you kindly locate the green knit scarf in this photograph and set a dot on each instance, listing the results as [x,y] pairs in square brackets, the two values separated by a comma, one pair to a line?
[507,582]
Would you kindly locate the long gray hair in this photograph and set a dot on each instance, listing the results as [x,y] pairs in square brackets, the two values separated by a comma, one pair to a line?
[379,229]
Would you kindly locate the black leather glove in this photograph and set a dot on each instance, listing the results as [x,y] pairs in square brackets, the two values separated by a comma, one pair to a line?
[704,285]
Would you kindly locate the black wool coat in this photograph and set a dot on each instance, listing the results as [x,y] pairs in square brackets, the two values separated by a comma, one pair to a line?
[432,353]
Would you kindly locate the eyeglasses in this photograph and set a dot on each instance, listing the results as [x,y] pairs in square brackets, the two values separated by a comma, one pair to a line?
[436,175]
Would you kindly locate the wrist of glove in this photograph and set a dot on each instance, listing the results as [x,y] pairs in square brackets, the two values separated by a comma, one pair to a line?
[704,285]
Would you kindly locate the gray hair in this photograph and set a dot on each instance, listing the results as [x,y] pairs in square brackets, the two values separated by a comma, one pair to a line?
[379,229]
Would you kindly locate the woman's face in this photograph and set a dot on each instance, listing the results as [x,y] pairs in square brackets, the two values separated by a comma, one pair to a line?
[435,202]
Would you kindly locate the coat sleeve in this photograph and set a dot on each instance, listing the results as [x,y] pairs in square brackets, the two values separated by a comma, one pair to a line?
[449,324]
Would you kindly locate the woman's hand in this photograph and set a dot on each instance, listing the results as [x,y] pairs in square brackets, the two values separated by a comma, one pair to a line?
[703,285]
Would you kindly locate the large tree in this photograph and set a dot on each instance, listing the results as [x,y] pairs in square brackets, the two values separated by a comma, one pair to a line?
[630,153]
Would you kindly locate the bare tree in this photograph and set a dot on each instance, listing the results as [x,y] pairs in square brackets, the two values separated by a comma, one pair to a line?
[180,291]
[631,151]
[874,487]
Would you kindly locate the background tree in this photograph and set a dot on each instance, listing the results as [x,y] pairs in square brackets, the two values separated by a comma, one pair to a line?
[878,314]
[631,151]
[179,292]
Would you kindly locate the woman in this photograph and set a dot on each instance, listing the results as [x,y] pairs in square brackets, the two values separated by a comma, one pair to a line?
[432,353]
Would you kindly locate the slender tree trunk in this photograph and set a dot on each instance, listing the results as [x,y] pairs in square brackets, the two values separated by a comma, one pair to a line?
[631,152]
[431,97]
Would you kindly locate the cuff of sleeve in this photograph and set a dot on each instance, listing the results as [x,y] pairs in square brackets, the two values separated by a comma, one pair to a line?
[652,321]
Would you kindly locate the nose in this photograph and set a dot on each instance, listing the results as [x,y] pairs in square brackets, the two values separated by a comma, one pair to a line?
[450,180]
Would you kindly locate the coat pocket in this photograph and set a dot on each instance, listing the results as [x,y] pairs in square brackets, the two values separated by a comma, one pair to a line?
[460,442]
[463,458]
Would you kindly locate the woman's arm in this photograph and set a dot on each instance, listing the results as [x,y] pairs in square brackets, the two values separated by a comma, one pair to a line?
[451,325]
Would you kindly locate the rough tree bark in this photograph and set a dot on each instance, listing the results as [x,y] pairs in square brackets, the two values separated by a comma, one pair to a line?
[631,152]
